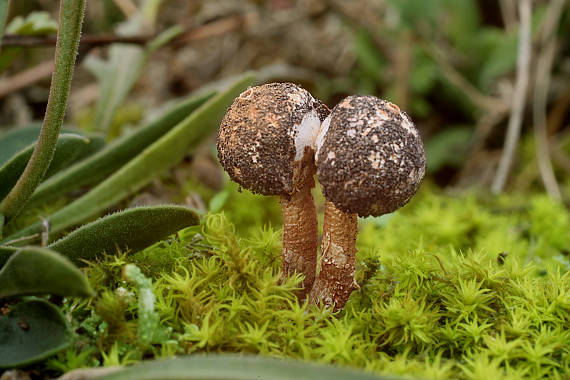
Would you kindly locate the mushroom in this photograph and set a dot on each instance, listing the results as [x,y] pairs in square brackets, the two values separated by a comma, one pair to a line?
[266,144]
[370,161]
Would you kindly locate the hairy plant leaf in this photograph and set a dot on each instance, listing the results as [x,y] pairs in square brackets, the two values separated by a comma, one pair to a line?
[222,367]
[449,147]
[117,153]
[69,148]
[133,229]
[31,331]
[154,160]
[38,271]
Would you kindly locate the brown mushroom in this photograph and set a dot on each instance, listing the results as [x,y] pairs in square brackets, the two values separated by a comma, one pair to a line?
[370,161]
[266,144]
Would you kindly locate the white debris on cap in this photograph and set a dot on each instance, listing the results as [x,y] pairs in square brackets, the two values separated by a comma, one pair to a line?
[264,136]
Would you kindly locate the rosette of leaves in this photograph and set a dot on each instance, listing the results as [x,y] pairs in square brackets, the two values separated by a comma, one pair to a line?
[39,163]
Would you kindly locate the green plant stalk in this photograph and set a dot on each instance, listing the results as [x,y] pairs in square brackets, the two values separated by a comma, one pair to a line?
[153,161]
[4,7]
[70,20]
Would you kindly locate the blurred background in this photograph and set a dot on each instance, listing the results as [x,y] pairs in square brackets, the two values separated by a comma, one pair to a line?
[487,82]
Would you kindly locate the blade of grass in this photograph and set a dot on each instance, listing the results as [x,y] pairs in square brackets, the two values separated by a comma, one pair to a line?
[70,21]
[141,170]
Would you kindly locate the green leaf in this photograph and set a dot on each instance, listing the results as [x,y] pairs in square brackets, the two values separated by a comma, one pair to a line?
[69,148]
[497,56]
[5,253]
[164,38]
[116,78]
[1,224]
[132,229]
[218,201]
[410,13]
[17,139]
[38,271]
[221,367]
[117,153]
[153,161]
[449,147]
[35,23]
[367,55]
[463,21]
[118,74]
[31,331]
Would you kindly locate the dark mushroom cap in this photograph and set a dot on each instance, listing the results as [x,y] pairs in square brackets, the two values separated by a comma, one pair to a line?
[370,157]
[266,139]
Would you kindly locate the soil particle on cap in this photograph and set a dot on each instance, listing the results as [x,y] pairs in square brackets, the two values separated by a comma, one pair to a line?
[372,159]
[256,140]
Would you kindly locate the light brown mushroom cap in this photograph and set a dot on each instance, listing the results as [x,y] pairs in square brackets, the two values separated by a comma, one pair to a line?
[370,157]
[266,139]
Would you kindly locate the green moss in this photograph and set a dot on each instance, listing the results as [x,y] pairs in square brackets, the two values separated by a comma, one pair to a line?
[450,287]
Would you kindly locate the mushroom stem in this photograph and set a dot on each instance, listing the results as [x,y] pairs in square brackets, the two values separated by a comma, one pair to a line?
[300,235]
[335,281]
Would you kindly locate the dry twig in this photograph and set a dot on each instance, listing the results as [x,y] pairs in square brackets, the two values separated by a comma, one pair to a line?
[26,78]
[542,84]
[43,70]
[519,97]
[210,29]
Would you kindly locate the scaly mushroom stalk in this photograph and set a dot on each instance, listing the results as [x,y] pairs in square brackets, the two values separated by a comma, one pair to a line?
[370,161]
[338,257]
[300,235]
[266,144]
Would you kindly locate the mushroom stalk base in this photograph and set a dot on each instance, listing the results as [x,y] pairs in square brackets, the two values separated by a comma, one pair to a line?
[336,282]
[300,236]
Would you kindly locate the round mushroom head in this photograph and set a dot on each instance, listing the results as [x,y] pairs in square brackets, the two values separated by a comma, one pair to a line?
[266,140]
[370,157]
